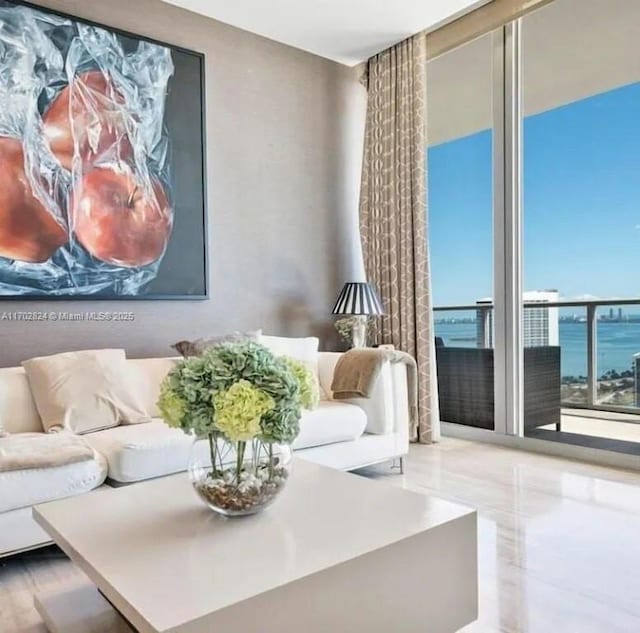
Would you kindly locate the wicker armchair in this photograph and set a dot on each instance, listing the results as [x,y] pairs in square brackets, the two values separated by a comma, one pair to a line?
[465,386]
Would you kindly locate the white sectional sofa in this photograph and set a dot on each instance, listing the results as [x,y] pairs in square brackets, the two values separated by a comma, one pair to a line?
[340,434]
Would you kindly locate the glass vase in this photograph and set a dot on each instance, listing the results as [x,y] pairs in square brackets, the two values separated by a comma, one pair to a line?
[238,478]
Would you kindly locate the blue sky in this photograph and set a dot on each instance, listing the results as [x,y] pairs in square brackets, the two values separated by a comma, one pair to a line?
[581,203]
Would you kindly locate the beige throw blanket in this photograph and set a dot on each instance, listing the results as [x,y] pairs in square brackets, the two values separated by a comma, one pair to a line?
[357,371]
[42,450]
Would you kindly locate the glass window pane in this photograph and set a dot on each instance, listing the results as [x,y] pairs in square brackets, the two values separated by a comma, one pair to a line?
[461,228]
[581,100]
[573,362]
[618,356]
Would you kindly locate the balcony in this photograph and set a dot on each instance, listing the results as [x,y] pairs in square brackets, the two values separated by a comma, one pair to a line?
[581,370]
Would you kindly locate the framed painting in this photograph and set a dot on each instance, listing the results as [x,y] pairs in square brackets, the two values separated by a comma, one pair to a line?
[102,162]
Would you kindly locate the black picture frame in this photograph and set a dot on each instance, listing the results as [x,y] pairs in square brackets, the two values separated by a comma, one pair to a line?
[203,234]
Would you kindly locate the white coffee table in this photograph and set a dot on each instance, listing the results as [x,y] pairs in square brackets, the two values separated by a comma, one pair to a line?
[335,553]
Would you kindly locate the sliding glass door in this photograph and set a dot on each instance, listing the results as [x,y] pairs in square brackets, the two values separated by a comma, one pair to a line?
[580,239]
[534,156]
[460,161]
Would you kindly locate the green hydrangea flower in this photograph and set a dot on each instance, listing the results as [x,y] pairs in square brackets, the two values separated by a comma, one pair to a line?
[172,407]
[307,383]
[189,392]
[239,409]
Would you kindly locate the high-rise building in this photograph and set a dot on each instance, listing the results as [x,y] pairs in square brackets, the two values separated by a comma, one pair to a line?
[540,323]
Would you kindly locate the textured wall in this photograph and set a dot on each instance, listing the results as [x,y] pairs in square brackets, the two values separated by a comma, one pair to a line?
[283,152]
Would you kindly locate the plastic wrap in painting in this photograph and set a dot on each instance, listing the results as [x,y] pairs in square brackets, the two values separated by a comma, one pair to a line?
[85,183]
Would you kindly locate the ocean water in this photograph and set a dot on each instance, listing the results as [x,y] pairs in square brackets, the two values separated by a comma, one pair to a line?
[617,343]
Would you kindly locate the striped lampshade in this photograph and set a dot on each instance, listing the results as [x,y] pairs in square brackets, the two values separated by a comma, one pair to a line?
[358,298]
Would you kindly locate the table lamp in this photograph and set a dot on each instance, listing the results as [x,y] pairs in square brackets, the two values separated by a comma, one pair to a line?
[360,300]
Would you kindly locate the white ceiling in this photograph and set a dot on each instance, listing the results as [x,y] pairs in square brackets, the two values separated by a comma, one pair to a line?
[346,31]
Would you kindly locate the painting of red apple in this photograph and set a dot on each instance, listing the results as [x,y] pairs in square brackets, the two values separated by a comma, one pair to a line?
[91,114]
[119,219]
[28,231]
[94,202]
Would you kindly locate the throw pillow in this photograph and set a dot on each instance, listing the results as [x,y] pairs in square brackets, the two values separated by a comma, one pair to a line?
[195,348]
[18,412]
[83,391]
[146,375]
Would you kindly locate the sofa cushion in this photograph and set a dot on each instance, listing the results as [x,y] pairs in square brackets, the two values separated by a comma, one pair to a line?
[23,488]
[142,451]
[83,391]
[331,422]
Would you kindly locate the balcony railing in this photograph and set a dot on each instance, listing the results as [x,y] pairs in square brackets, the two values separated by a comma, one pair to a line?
[599,388]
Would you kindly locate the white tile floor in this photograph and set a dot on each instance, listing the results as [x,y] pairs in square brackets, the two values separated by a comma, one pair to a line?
[559,541]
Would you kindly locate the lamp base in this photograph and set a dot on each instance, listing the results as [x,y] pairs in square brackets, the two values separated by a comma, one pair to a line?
[359,331]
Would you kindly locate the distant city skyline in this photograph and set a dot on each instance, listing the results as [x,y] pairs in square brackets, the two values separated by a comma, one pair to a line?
[581,202]
[567,315]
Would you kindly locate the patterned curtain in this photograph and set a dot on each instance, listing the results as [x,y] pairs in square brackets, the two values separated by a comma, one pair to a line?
[393,213]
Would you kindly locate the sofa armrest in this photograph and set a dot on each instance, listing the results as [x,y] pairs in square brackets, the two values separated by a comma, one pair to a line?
[388,407]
